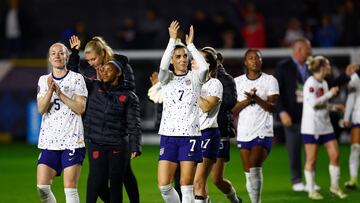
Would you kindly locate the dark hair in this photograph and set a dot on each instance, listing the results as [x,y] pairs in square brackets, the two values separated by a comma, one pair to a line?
[210,58]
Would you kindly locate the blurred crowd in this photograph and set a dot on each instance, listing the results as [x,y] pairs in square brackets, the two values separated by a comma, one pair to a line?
[234,24]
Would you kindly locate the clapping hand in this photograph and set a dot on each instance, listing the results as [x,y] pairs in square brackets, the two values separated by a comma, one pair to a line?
[189,38]
[173,29]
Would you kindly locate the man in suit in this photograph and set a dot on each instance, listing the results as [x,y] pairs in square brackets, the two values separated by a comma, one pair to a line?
[291,74]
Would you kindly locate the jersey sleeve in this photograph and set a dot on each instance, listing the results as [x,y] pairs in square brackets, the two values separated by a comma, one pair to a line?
[239,89]
[80,86]
[216,89]
[42,87]
[273,87]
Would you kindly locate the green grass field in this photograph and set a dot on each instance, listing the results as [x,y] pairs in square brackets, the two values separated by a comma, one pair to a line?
[18,176]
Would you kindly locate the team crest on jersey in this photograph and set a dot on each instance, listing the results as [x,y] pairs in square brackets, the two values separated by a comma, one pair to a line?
[162,151]
[188,82]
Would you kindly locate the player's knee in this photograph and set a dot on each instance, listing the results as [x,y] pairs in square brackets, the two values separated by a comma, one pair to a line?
[165,189]
[44,191]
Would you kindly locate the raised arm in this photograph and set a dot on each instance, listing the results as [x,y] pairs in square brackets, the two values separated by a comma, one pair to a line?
[165,60]
[74,58]
[200,60]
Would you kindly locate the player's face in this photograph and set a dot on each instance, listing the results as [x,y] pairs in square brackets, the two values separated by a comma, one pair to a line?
[305,51]
[109,74]
[253,61]
[58,56]
[180,61]
[95,60]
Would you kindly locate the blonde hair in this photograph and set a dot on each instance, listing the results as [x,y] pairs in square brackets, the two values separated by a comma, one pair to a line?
[67,52]
[315,63]
[99,46]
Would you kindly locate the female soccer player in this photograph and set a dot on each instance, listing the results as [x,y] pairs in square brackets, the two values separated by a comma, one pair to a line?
[316,127]
[352,119]
[209,103]
[180,127]
[257,94]
[61,100]
[225,121]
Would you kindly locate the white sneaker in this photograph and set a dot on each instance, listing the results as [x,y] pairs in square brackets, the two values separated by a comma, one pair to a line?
[338,192]
[298,187]
[316,187]
[314,195]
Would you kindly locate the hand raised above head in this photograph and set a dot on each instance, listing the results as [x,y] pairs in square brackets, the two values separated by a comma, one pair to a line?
[75,42]
[173,29]
[189,38]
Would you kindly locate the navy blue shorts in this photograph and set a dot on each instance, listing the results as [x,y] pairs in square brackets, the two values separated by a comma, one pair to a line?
[210,143]
[177,148]
[322,139]
[60,159]
[224,150]
[355,125]
[265,142]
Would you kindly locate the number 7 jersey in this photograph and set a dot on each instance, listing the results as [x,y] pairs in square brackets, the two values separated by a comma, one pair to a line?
[61,128]
[180,115]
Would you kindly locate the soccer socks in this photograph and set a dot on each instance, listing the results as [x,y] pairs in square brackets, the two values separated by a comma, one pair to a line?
[200,199]
[256,179]
[232,195]
[310,180]
[248,185]
[334,176]
[187,193]
[354,161]
[72,195]
[45,194]
[169,194]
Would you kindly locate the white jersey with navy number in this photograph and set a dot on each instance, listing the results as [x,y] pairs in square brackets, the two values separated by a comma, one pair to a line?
[315,116]
[62,128]
[180,116]
[352,110]
[253,120]
[212,87]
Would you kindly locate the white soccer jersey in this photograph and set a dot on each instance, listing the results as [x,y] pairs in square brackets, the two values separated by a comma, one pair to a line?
[353,101]
[212,87]
[181,93]
[61,128]
[253,120]
[315,115]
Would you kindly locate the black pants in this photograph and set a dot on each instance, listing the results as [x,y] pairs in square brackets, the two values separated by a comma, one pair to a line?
[131,185]
[107,170]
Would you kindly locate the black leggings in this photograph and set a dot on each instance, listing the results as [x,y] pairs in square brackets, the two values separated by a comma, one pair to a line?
[107,169]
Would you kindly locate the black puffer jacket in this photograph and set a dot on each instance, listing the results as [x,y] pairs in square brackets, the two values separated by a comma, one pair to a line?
[112,116]
[127,80]
[225,118]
